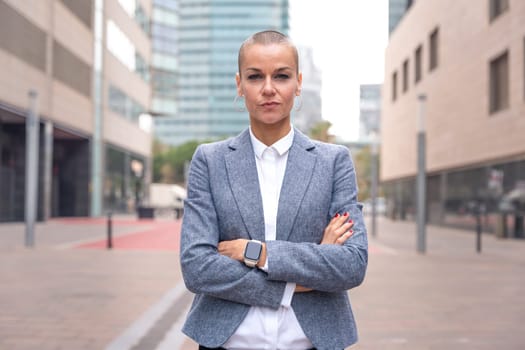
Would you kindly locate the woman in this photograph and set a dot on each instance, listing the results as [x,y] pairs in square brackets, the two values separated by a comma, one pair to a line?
[267,243]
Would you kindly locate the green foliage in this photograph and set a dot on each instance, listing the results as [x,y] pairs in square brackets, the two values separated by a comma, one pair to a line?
[169,162]
[363,165]
[320,131]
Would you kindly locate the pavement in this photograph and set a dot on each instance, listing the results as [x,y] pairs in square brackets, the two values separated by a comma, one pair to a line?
[70,292]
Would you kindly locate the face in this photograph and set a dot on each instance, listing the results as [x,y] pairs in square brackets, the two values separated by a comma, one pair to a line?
[269,82]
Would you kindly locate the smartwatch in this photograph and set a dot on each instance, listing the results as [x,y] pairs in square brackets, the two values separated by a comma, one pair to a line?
[252,253]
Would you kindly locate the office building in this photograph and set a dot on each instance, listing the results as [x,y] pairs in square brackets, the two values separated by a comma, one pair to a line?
[369,111]
[210,34]
[88,63]
[307,109]
[396,11]
[468,59]
[164,67]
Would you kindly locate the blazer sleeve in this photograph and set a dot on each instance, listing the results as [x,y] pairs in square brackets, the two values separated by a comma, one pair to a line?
[204,270]
[330,267]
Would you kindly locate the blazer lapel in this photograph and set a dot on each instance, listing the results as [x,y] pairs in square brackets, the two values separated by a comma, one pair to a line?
[244,182]
[299,170]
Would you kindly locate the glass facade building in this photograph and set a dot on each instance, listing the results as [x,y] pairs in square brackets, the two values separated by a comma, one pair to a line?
[210,34]
[396,11]
[369,111]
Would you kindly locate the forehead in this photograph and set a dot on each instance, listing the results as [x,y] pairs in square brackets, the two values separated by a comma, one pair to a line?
[255,55]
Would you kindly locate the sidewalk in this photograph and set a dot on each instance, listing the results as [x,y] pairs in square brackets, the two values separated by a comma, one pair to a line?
[449,298]
[69,292]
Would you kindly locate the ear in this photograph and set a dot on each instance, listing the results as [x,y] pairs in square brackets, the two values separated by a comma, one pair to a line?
[299,84]
[238,82]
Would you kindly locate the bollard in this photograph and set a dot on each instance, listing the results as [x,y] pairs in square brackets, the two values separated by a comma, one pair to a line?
[109,231]
[478,230]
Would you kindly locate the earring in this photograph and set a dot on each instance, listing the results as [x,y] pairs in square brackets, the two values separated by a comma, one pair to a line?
[239,108]
[298,104]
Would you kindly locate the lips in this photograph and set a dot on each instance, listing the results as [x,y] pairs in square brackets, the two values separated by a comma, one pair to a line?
[270,104]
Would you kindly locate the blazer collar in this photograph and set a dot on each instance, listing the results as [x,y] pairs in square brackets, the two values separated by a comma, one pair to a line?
[244,182]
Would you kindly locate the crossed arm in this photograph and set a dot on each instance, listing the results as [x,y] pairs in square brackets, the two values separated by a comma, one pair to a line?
[338,230]
[212,268]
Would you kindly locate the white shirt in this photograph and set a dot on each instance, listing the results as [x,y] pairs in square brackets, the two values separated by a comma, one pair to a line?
[265,328]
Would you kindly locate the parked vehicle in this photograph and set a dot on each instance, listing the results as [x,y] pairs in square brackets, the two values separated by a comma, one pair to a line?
[163,198]
[380,206]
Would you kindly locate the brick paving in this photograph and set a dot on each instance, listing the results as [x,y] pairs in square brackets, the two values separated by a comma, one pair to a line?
[60,295]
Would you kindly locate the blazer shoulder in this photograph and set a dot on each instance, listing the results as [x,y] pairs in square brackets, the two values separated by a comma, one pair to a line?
[212,148]
[330,149]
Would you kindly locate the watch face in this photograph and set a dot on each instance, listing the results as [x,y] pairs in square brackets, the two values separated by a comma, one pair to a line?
[253,251]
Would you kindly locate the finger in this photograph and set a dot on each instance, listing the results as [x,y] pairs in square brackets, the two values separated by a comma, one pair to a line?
[344,237]
[343,218]
[343,228]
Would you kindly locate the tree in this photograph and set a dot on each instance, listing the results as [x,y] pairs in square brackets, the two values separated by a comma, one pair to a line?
[169,162]
[320,131]
[363,165]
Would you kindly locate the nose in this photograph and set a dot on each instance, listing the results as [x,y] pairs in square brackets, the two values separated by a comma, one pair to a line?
[268,88]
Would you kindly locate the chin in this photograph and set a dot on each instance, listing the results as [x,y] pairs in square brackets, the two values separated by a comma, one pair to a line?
[272,120]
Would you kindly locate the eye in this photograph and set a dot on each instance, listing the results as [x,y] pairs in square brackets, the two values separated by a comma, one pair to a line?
[254,76]
[282,76]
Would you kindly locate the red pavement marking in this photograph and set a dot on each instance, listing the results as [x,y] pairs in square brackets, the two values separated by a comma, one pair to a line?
[163,236]
[102,221]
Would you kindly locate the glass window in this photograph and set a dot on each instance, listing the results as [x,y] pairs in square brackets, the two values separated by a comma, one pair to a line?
[433,55]
[405,75]
[394,86]
[164,17]
[168,4]
[124,105]
[418,70]
[124,50]
[499,83]
[497,7]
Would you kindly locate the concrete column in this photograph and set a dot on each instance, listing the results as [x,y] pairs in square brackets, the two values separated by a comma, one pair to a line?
[48,169]
[31,174]
[97,159]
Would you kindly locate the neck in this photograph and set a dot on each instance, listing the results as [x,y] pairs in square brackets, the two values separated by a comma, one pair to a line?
[270,134]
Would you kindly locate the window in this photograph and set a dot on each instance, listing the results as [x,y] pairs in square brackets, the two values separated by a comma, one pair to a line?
[497,7]
[394,86]
[82,9]
[405,76]
[499,83]
[433,56]
[417,64]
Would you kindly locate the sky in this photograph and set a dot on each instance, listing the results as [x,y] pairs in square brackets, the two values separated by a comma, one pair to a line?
[349,40]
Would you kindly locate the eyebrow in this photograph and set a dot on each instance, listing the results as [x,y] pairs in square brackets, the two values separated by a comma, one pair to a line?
[277,70]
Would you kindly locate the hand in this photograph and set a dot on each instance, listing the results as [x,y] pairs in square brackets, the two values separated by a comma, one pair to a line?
[338,230]
[233,249]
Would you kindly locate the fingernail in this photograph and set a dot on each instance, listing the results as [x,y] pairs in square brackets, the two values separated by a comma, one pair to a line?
[345,214]
[337,215]
[350,221]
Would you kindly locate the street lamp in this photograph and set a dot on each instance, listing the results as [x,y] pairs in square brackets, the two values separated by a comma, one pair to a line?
[421,177]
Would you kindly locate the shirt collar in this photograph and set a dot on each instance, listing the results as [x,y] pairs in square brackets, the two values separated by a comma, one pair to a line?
[281,146]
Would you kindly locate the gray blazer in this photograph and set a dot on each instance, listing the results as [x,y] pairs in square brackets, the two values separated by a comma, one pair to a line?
[224,203]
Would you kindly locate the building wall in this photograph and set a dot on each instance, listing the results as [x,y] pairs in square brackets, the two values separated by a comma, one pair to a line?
[460,130]
[48,46]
